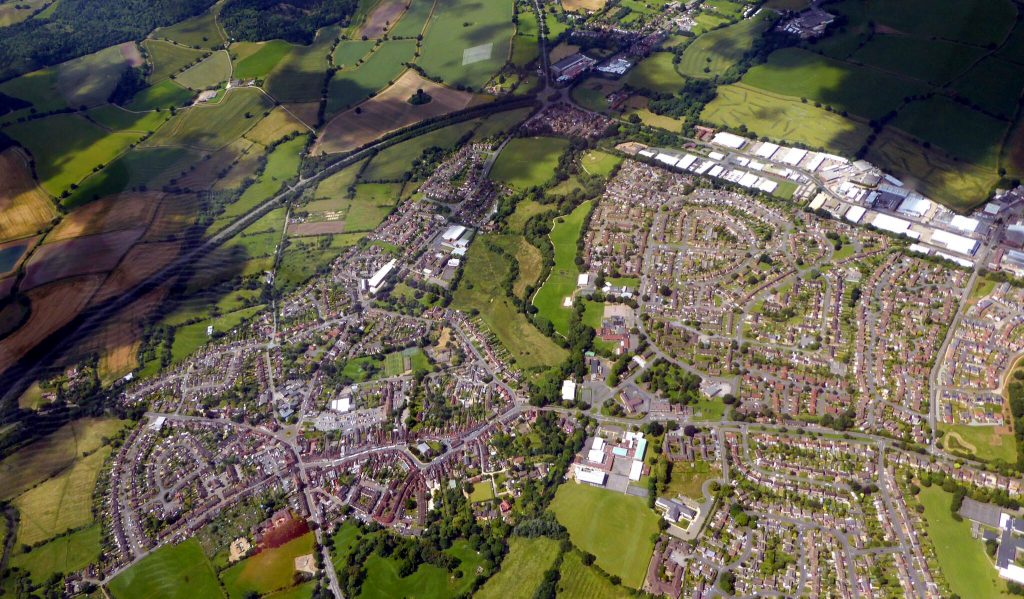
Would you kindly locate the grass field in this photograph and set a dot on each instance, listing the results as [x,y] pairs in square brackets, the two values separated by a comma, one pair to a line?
[267,571]
[262,60]
[615,527]
[61,503]
[212,71]
[455,27]
[62,555]
[561,282]
[968,570]
[525,210]
[993,85]
[200,31]
[987,443]
[688,478]
[118,119]
[151,167]
[480,288]
[966,133]
[88,80]
[393,162]
[656,73]
[349,87]
[39,88]
[596,162]
[349,52]
[165,94]
[783,118]
[718,50]
[279,123]
[67,147]
[167,58]
[282,164]
[171,572]
[299,76]
[934,61]
[24,206]
[214,126]
[16,12]
[977,22]
[528,161]
[579,581]
[412,22]
[522,570]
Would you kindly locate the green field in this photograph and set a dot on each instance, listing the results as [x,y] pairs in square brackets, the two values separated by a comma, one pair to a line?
[978,22]
[267,571]
[994,85]
[719,50]
[200,31]
[783,118]
[167,59]
[934,61]
[212,71]
[412,22]
[88,81]
[61,503]
[117,118]
[962,559]
[349,52]
[981,441]
[528,161]
[349,87]
[394,161]
[596,162]
[62,555]
[39,88]
[299,76]
[615,527]
[522,570]
[214,126]
[561,282]
[171,572]
[579,581]
[481,289]
[263,60]
[427,582]
[165,94]
[965,133]
[525,210]
[457,26]
[67,147]
[150,167]
[656,73]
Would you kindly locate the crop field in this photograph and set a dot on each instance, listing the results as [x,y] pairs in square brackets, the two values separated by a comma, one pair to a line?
[720,49]
[978,22]
[784,118]
[24,206]
[388,111]
[382,18]
[561,282]
[62,555]
[150,167]
[934,61]
[299,76]
[167,58]
[213,126]
[82,255]
[114,213]
[351,86]
[349,52]
[656,73]
[213,70]
[267,571]
[200,31]
[466,44]
[171,572]
[54,453]
[579,581]
[394,161]
[615,527]
[961,558]
[88,81]
[165,94]
[67,147]
[259,58]
[484,271]
[522,570]
[61,503]
[528,161]
[575,5]
[415,18]
[279,123]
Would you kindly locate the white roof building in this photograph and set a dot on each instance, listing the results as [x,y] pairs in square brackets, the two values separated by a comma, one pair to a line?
[586,474]
[855,214]
[636,469]
[374,283]
[954,242]
[342,404]
[729,140]
[891,224]
[568,390]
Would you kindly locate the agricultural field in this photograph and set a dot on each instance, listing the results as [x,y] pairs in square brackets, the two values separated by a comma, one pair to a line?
[171,572]
[715,52]
[394,161]
[165,94]
[267,571]
[579,581]
[561,284]
[16,12]
[349,52]
[615,527]
[62,503]
[382,18]
[413,20]
[211,72]
[934,61]
[966,134]
[481,289]
[24,206]
[199,32]
[278,124]
[656,73]
[299,76]
[522,569]
[213,126]
[261,60]
[466,44]
[141,167]
[350,86]
[88,81]
[167,59]
[527,162]
[64,555]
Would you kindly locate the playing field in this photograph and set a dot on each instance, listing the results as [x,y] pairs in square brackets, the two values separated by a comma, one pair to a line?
[615,527]
[526,162]
[481,289]
[467,43]
[579,581]
[212,126]
[962,559]
[561,283]
[353,85]
[522,570]
[171,572]
[212,71]
[24,206]
[267,571]
[656,73]
[716,51]
[299,76]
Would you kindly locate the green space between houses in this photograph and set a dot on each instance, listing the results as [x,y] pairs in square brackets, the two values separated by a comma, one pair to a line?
[615,527]
[522,570]
[561,283]
[179,571]
[962,558]
[987,443]
[527,162]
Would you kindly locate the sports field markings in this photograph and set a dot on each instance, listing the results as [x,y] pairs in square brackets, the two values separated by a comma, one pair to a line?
[476,53]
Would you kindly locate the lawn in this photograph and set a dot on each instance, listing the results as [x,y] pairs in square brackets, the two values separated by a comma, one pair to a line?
[351,86]
[62,555]
[171,572]
[480,288]
[485,29]
[522,570]
[482,491]
[257,64]
[615,527]
[579,581]
[213,126]
[561,282]
[656,73]
[267,571]
[962,559]
[688,478]
[528,161]
[212,71]
[715,52]
[596,162]
[983,441]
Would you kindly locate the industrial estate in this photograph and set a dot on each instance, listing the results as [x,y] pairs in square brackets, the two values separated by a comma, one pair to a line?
[572,299]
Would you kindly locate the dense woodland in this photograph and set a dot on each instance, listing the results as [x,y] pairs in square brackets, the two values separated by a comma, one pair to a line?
[80,27]
[295,21]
